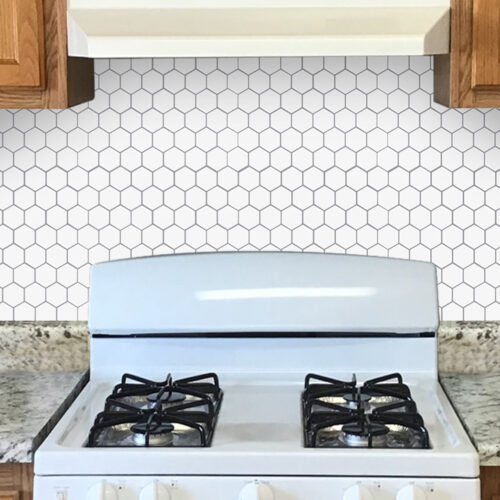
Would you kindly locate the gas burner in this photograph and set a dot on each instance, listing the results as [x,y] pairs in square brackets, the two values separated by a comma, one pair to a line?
[159,434]
[167,397]
[378,414]
[141,412]
[363,434]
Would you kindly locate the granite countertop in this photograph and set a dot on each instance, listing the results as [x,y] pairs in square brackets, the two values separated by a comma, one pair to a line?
[476,399]
[45,346]
[469,346]
[31,403]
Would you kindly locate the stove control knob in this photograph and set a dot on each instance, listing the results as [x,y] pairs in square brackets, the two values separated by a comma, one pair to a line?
[256,491]
[358,492]
[102,491]
[154,491]
[411,492]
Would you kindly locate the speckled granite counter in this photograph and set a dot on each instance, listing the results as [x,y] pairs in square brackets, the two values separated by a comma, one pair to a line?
[44,345]
[477,401]
[469,346]
[30,405]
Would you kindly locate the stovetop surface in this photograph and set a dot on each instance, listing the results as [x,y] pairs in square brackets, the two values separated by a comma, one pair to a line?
[379,413]
[266,414]
[259,431]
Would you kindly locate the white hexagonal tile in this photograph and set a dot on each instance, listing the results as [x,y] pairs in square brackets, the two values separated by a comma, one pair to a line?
[281,148]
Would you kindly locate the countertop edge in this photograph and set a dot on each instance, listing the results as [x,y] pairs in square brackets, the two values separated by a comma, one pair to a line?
[59,412]
[19,447]
[488,449]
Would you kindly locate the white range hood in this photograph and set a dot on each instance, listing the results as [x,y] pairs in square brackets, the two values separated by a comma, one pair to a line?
[218,28]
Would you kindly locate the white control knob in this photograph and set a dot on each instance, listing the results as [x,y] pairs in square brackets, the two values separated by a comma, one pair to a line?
[154,491]
[102,491]
[358,492]
[256,491]
[411,492]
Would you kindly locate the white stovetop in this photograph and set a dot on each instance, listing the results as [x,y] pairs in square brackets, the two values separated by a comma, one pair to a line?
[259,431]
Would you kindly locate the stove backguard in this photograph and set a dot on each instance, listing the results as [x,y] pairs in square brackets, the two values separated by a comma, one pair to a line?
[263,312]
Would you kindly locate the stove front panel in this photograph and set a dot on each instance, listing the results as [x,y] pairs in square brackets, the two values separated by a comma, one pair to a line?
[248,487]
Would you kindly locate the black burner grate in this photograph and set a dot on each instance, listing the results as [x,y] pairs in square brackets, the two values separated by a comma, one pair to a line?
[379,414]
[142,412]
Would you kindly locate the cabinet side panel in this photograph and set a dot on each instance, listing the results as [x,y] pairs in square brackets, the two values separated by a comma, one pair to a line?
[80,80]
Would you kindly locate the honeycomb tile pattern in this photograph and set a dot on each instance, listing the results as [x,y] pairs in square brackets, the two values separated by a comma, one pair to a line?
[317,154]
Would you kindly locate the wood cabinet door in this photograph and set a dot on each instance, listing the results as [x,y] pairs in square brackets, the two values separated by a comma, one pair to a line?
[469,76]
[16,480]
[22,58]
[9,495]
[490,483]
[486,44]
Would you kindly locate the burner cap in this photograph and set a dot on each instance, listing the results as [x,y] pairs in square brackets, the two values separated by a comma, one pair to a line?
[352,399]
[159,434]
[166,397]
[357,435]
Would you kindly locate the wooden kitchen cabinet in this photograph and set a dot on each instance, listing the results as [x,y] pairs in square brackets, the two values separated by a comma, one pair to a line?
[490,483]
[16,481]
[21,44]
[470,75]
[35,70]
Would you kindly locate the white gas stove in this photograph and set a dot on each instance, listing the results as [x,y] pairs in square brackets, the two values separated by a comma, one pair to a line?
[229,376]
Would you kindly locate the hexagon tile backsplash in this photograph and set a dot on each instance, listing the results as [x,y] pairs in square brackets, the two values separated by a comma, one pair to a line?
[318,154]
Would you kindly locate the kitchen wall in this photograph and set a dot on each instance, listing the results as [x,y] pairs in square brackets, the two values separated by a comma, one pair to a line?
[314,154]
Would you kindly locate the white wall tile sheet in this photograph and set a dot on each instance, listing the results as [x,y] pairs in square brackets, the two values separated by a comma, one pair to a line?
[344,155]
